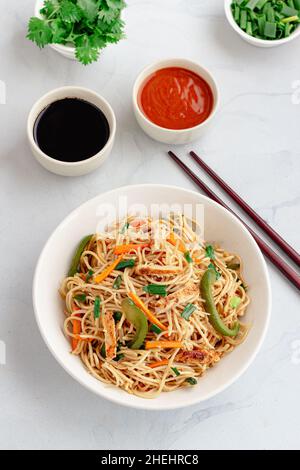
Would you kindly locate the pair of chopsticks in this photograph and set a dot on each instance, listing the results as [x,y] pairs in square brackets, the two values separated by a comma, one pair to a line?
[286,270]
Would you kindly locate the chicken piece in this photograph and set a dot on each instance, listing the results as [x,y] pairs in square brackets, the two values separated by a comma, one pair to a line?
[181,296]
[109,335]
[199,356]
[152,269]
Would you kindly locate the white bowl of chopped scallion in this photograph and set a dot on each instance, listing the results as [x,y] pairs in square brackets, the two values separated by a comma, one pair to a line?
[264,23]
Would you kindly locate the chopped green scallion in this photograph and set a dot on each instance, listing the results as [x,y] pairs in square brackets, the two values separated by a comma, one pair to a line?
[249,28]
[261,4]
[188,257]
[188,310]
[128,263]
[80,297]
[288,11]
[270,30]
[290,19]
[252,4]
[156,289]
[97,307]
[270,15]
[210,252]
[125,227]
[103,351]
[155,329]
[243,19]
[89,275]
[191,380]
[237,13]
[176,371]
[117,316]
[119,357]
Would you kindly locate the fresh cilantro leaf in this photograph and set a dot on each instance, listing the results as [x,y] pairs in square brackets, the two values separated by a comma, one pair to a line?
[85,52]
[117,27]
[49,7]
[69,12]
[116,4]
[114,37]
[59,32]
[107,14]
[97,41]
[112,32]
[89,8]
[39,32]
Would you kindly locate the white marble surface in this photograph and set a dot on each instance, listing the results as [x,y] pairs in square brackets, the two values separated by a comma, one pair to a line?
[254,144]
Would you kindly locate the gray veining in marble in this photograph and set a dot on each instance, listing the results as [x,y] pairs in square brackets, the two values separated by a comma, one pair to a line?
[254,144]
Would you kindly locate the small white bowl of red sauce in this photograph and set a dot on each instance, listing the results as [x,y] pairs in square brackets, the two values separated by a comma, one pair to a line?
[175,100]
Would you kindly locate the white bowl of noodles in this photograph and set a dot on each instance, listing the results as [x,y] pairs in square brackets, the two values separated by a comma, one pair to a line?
[221,228]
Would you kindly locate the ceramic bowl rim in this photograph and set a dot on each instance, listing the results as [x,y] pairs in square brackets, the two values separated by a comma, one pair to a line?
[144,403]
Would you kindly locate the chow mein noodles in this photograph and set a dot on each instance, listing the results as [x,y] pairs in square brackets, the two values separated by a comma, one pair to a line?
[150,307]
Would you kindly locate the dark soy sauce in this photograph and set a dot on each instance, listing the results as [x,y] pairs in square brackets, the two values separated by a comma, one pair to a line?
[71,130]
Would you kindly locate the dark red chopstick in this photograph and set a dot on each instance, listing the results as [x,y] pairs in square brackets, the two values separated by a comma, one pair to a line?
[288,249]
[288,272]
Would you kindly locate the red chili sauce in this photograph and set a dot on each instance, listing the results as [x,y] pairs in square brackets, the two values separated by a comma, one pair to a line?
[176,98]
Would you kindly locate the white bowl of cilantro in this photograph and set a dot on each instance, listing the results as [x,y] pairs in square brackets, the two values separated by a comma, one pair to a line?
[264,23]
[77,29]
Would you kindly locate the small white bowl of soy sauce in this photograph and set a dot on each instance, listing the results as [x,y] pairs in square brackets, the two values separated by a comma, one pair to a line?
[71,130]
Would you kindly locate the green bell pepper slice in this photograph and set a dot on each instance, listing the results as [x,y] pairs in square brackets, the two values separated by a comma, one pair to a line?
[207,281]
[135,316]
[77,255]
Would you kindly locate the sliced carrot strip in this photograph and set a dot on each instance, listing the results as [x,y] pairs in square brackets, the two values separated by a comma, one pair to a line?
[108,270]
[76,330]
[151,317]
[122,249]
[163,344]
[165,362]
[173,240]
